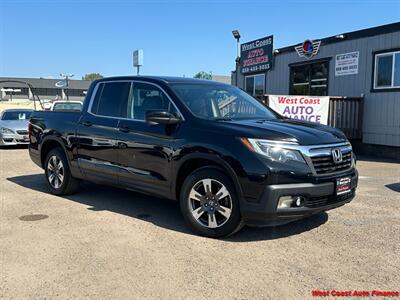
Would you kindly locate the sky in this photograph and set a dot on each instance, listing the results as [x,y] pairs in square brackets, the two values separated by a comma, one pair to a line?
[43,38]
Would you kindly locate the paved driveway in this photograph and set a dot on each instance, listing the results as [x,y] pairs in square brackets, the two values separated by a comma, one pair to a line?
[115,244]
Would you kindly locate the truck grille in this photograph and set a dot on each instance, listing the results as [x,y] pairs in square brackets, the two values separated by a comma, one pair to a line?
[22,132]
[323,164]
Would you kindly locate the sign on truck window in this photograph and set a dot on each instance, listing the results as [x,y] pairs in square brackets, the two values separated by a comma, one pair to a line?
[346,63]
[307,108]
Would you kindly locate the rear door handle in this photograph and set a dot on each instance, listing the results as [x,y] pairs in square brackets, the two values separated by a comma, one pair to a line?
[87,123]
[124,129]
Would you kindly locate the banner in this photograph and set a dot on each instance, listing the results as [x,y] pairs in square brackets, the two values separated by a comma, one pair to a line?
[256,56]
[307,108]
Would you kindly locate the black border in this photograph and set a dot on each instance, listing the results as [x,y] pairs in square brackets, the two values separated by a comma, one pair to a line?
[384,90]
[310,62]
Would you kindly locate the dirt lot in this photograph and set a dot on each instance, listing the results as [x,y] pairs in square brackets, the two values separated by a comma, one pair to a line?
[108,243]
[18,105]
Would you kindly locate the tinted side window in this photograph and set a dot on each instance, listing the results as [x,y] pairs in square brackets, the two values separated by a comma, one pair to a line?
[111,99]
[95,102]
[147,97]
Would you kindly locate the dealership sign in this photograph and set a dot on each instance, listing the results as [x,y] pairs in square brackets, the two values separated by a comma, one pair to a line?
[346,63]
[256,56]
[307,108]
[308,49]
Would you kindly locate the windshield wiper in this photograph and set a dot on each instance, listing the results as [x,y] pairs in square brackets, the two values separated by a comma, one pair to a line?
[222,119]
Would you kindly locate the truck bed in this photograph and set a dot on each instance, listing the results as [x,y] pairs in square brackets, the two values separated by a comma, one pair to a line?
[61,125]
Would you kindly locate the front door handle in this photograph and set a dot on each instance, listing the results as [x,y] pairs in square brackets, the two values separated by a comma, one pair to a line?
[124,129]
[87,123]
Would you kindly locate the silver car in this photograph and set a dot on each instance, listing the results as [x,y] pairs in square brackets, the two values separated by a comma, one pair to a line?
[14,127]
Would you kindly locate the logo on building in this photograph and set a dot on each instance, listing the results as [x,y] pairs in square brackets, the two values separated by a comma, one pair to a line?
[308,49]
[337,155]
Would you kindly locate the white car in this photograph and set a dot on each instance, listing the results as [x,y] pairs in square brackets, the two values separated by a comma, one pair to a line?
[14,127]
[66,106]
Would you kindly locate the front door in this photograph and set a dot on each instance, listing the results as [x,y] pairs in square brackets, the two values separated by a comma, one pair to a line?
[144,150]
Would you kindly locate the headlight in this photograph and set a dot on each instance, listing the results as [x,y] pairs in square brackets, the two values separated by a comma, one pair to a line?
[274,151]
[6,130]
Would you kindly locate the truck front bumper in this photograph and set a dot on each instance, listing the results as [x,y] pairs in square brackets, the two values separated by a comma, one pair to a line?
[317,197]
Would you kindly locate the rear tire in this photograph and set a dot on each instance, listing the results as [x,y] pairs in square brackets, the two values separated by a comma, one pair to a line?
[210,204]
[58,173]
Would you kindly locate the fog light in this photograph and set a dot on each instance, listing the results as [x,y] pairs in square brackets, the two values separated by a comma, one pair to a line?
[299,201]
[290,201]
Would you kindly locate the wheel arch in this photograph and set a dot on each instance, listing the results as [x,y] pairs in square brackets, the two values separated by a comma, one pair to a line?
[48,144]
[196,161]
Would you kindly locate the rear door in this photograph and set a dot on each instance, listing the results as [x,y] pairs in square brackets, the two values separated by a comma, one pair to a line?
[97,131]
[145,150]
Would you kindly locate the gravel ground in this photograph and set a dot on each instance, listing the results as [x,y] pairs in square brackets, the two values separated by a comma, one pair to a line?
[104,243]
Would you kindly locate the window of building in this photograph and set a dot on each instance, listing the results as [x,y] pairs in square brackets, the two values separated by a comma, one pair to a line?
[309,79]
[47,91]
[111,99]
[74,92]
[16,91]
[387,70]
[255,84]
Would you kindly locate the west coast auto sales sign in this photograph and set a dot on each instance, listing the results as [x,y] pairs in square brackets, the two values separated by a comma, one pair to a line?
[256,56]
[307,108]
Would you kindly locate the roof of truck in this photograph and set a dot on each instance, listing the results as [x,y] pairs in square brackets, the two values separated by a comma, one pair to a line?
[17,109]
[165,79]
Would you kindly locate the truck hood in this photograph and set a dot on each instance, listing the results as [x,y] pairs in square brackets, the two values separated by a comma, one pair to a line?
[302,132]
[15,124]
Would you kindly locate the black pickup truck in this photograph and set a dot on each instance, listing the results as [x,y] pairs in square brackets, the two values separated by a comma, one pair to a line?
[226,158]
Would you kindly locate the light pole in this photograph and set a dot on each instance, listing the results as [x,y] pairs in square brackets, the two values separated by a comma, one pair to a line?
[66,78]
[236,35]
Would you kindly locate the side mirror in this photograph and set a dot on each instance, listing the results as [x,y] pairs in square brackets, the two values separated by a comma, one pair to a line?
[161,117]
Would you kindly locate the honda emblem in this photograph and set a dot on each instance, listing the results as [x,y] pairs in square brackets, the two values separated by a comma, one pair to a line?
[337,155]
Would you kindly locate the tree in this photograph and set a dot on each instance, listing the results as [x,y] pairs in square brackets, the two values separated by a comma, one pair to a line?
[92,76]
[203,75]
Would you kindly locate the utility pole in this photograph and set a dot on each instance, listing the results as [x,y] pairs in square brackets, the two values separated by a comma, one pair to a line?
[66,79]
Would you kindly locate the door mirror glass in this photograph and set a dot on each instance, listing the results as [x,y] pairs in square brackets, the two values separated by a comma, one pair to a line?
[161,117]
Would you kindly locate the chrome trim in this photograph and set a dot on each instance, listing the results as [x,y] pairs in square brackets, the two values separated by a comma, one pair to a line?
[312,150]
[132,82]
[102,163]
[337,155]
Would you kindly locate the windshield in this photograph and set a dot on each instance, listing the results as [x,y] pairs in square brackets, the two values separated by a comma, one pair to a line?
[16,115]
[220,102]
[67,106]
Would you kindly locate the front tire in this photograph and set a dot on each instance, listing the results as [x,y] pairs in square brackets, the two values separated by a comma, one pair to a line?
[209,203]
[58,174]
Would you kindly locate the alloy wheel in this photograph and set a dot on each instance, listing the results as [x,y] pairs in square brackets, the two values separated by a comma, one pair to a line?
[55,172]
[210,203]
